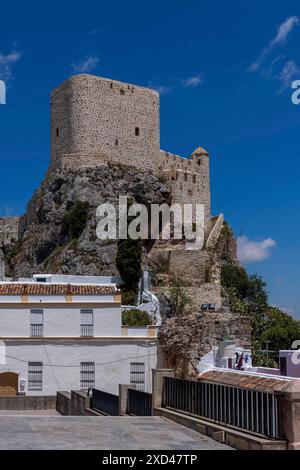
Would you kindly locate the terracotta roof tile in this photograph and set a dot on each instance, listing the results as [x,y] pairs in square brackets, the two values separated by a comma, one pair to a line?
[56,289]
[244,380]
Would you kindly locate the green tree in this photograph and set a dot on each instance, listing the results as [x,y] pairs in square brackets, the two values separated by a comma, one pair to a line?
[74,221]
[129,262]
[248,295]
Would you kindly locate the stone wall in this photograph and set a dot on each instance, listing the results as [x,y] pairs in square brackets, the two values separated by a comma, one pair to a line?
[27,403]
[94,120]
[9,230]
[189,266]
[186,339]
[189,178]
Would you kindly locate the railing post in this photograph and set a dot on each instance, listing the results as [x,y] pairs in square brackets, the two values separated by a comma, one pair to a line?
[290,414]
[123,397]
[158,386]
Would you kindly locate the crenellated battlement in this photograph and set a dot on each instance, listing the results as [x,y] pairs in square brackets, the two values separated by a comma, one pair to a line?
[96,121]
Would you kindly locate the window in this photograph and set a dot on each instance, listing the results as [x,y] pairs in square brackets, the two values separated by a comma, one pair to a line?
[36,322]
[137,131]
[86,322]
[117,142]
[35,375]
[57,132]
[87,375]
[194,179]
[41,279]
[137,375]
[283,366]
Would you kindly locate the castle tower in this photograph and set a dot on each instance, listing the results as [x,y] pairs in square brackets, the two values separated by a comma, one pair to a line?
[95,120]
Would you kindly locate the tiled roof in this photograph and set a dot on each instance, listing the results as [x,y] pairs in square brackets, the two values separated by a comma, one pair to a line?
[243,380]
[56,289]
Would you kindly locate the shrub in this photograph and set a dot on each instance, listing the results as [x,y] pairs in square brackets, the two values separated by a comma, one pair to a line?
[129,297]
[162,179]
[178,298]
[135,317]
[74,222]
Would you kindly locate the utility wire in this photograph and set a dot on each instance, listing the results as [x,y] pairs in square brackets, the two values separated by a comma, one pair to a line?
[96,364]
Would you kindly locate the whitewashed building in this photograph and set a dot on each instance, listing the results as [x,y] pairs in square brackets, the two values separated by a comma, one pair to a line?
[65,333]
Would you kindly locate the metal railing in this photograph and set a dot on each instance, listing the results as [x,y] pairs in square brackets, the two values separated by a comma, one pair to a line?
[250,410]
[36,330]
[86,330]
[139,403]
[105,402]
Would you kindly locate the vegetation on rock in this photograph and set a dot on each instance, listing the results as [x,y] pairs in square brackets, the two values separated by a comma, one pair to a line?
[176,302]
[59,235]
[272,329]
[74,221]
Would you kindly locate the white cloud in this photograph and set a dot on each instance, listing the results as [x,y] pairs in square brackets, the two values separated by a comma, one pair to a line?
[170,85]
[7,62]
[284,30]
[162,89]
[192,81]
[250,251]
[288,73]
[282,34]
[289,311]
[86,65]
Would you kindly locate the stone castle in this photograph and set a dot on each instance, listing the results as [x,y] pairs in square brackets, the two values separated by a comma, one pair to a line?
[96,120]
[97,123]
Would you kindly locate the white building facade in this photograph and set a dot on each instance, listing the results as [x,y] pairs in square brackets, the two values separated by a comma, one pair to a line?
[65,333]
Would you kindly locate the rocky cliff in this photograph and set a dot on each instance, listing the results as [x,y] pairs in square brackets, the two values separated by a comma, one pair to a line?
[47,240]
[58,235]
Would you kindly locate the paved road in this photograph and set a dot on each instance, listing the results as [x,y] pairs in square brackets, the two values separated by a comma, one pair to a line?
[89,432]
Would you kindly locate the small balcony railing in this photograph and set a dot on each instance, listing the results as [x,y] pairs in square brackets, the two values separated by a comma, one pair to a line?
[36,330]
[87,330]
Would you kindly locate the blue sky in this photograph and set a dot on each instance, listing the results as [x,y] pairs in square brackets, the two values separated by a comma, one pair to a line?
[224,70]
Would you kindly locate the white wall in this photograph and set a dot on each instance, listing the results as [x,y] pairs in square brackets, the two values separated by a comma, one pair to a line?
[137,331]
[61,359]
[59,320]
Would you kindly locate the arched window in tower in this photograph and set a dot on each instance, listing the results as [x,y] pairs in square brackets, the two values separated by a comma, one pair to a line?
[57,132]
[137,131]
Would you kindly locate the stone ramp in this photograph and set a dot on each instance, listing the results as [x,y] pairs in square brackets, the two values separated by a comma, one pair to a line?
[92,433]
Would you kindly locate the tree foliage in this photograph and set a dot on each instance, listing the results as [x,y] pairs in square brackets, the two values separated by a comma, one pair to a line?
[74,221]
[248,295]
[129,262]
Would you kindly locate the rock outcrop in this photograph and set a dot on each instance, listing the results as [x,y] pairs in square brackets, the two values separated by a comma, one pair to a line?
[182,280]
[44,247]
